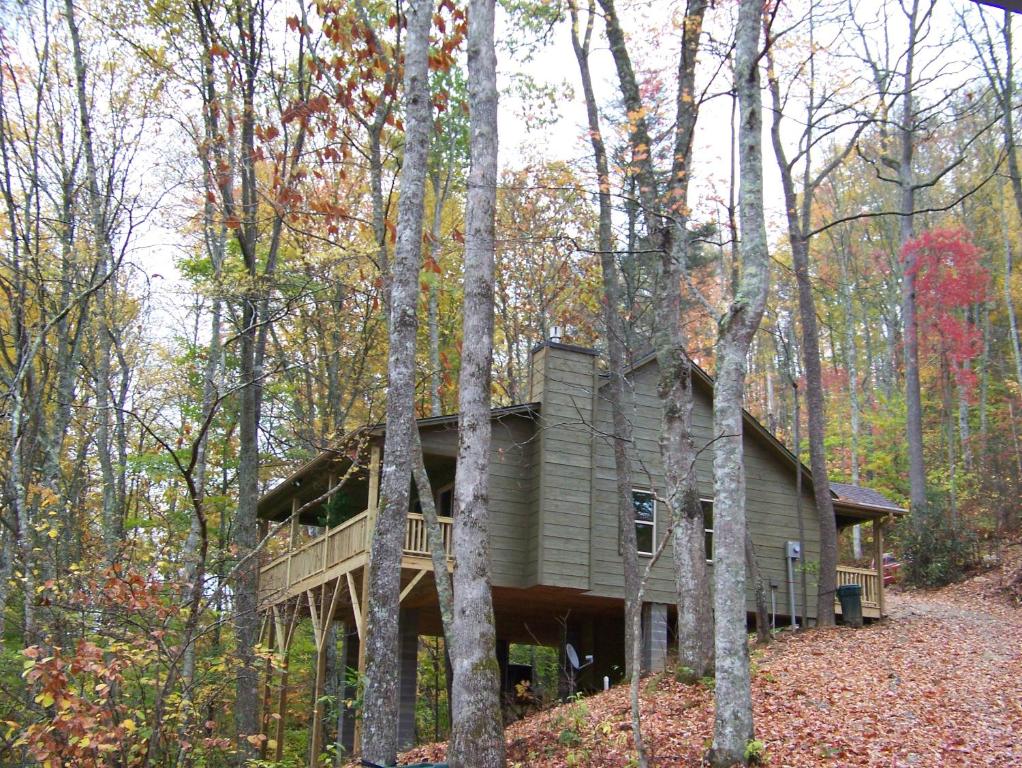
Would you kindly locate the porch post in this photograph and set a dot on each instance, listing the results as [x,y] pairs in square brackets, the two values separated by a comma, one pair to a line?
[271,639]
[654,637]
[374,503]
[292,539]
[878,559]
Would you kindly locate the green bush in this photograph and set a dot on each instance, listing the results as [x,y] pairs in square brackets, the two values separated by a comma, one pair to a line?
[936,551]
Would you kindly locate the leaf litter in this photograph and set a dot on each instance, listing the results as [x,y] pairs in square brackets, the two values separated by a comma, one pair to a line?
[938,683]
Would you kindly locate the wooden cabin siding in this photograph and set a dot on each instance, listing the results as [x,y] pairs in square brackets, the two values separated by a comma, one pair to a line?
[510,508]
[511,512]
[533,531]
[770,495]
[563,382]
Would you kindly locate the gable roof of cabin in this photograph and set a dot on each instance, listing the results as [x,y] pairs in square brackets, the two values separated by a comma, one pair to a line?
[861,496]
[845,495]
[274,502]
[855,497]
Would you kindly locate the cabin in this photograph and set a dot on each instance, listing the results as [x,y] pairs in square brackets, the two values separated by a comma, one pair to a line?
[557,572]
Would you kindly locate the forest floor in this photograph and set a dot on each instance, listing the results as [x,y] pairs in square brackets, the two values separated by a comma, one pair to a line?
[938,683]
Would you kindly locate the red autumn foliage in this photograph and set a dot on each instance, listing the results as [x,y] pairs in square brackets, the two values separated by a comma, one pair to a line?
[949,277]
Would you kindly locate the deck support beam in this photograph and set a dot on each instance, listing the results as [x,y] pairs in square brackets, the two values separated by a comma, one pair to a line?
[320,624]
[878,558]
[285,634]
[411,585]
[374,502]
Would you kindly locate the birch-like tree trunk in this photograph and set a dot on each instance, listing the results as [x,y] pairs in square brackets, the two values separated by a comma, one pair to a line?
[112,516]
[477,737]
[382,697]
[910,329]
[666,232]
[616,350]
[733,726]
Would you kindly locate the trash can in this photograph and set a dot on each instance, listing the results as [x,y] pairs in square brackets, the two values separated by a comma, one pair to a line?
[850,596]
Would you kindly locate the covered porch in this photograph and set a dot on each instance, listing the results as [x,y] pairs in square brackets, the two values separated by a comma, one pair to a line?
[856,505]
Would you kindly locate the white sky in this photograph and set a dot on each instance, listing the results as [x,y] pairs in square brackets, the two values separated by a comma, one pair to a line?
[653,43]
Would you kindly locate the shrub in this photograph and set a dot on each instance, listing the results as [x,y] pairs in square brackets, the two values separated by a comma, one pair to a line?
[936,551]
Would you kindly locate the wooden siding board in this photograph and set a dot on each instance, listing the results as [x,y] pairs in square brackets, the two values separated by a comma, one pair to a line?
[772,516]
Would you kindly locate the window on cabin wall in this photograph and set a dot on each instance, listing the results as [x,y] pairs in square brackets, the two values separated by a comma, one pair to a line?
[644,503]
[708,526]
[445,501]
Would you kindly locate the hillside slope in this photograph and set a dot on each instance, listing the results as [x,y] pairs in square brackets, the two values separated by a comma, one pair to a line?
[937,684]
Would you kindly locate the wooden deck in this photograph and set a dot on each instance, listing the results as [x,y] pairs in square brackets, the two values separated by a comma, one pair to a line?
[338,551]
[872,589]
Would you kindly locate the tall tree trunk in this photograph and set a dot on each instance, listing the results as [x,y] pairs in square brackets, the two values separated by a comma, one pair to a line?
[477,738]
[677,447]
[669,236]
[112,533]
[436,374]
[733,726]
[907,191]
[1009,300]
[798,218]
[852,352]
[380,714]
[616,350]
[827,578]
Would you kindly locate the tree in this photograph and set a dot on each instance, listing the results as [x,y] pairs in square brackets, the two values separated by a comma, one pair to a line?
[826,114]
[477,739]
[379,739]
[733,726]
[666,216]
[615,339]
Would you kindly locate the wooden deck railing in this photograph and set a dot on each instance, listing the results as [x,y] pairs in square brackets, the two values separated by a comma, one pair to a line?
[868,579]
[337,545]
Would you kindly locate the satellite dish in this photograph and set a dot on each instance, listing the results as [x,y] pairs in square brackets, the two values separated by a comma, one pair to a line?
[569,649]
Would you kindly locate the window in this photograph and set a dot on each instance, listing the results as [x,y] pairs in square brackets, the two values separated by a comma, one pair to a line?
[708,524]
[445,501]
[644,503]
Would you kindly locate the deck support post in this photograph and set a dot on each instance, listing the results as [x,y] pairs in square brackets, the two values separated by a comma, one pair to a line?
[654,637]
[320,623]
[271,638]
[374,503]
[408,648]
[349,691]
[285,626]
[878,559]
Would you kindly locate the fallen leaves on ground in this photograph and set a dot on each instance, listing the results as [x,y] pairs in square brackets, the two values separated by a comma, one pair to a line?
[939,683]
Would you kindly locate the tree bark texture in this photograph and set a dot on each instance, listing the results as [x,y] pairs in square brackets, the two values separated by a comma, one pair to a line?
[907,191]
[733,725]
[477,738]
[616,349]
[380,715]
[667,233]
[677,448]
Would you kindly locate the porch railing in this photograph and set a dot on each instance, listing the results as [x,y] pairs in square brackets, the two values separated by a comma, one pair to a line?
[868,579]
[339,544]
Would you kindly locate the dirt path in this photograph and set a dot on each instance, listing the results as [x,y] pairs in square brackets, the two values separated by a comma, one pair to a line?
[938,683]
